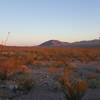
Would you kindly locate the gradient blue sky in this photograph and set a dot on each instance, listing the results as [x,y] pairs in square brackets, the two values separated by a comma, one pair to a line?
[34,21]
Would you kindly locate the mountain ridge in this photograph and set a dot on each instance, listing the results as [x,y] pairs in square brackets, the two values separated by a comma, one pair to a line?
[85,43]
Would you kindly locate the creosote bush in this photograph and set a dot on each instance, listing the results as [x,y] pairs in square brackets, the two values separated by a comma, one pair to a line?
[74,90]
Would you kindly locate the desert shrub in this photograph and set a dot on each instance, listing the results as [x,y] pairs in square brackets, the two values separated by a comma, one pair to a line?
[25,84]
[93,83]
[53,69]
[29,59]
[23,80]
[3,76]
[68,70]
[52,54]
[10,66]
[73,90]
[92,80]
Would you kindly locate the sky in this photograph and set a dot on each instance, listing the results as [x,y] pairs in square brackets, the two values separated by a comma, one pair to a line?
[34,21]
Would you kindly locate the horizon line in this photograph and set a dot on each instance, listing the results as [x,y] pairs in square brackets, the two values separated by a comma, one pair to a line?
[29,44]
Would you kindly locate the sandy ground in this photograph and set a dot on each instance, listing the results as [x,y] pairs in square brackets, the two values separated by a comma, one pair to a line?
[41,93]
[44,90]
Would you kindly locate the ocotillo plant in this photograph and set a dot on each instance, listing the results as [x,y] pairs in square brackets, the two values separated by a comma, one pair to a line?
[4,42]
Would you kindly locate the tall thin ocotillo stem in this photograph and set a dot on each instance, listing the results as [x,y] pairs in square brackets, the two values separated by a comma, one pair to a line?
[7,38]
[4,42]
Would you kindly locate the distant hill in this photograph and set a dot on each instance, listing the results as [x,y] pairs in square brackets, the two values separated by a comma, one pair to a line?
[54,43]
[57,43]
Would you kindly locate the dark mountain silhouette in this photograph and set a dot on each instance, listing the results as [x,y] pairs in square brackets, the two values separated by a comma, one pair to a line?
[57,43]
[54,43]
